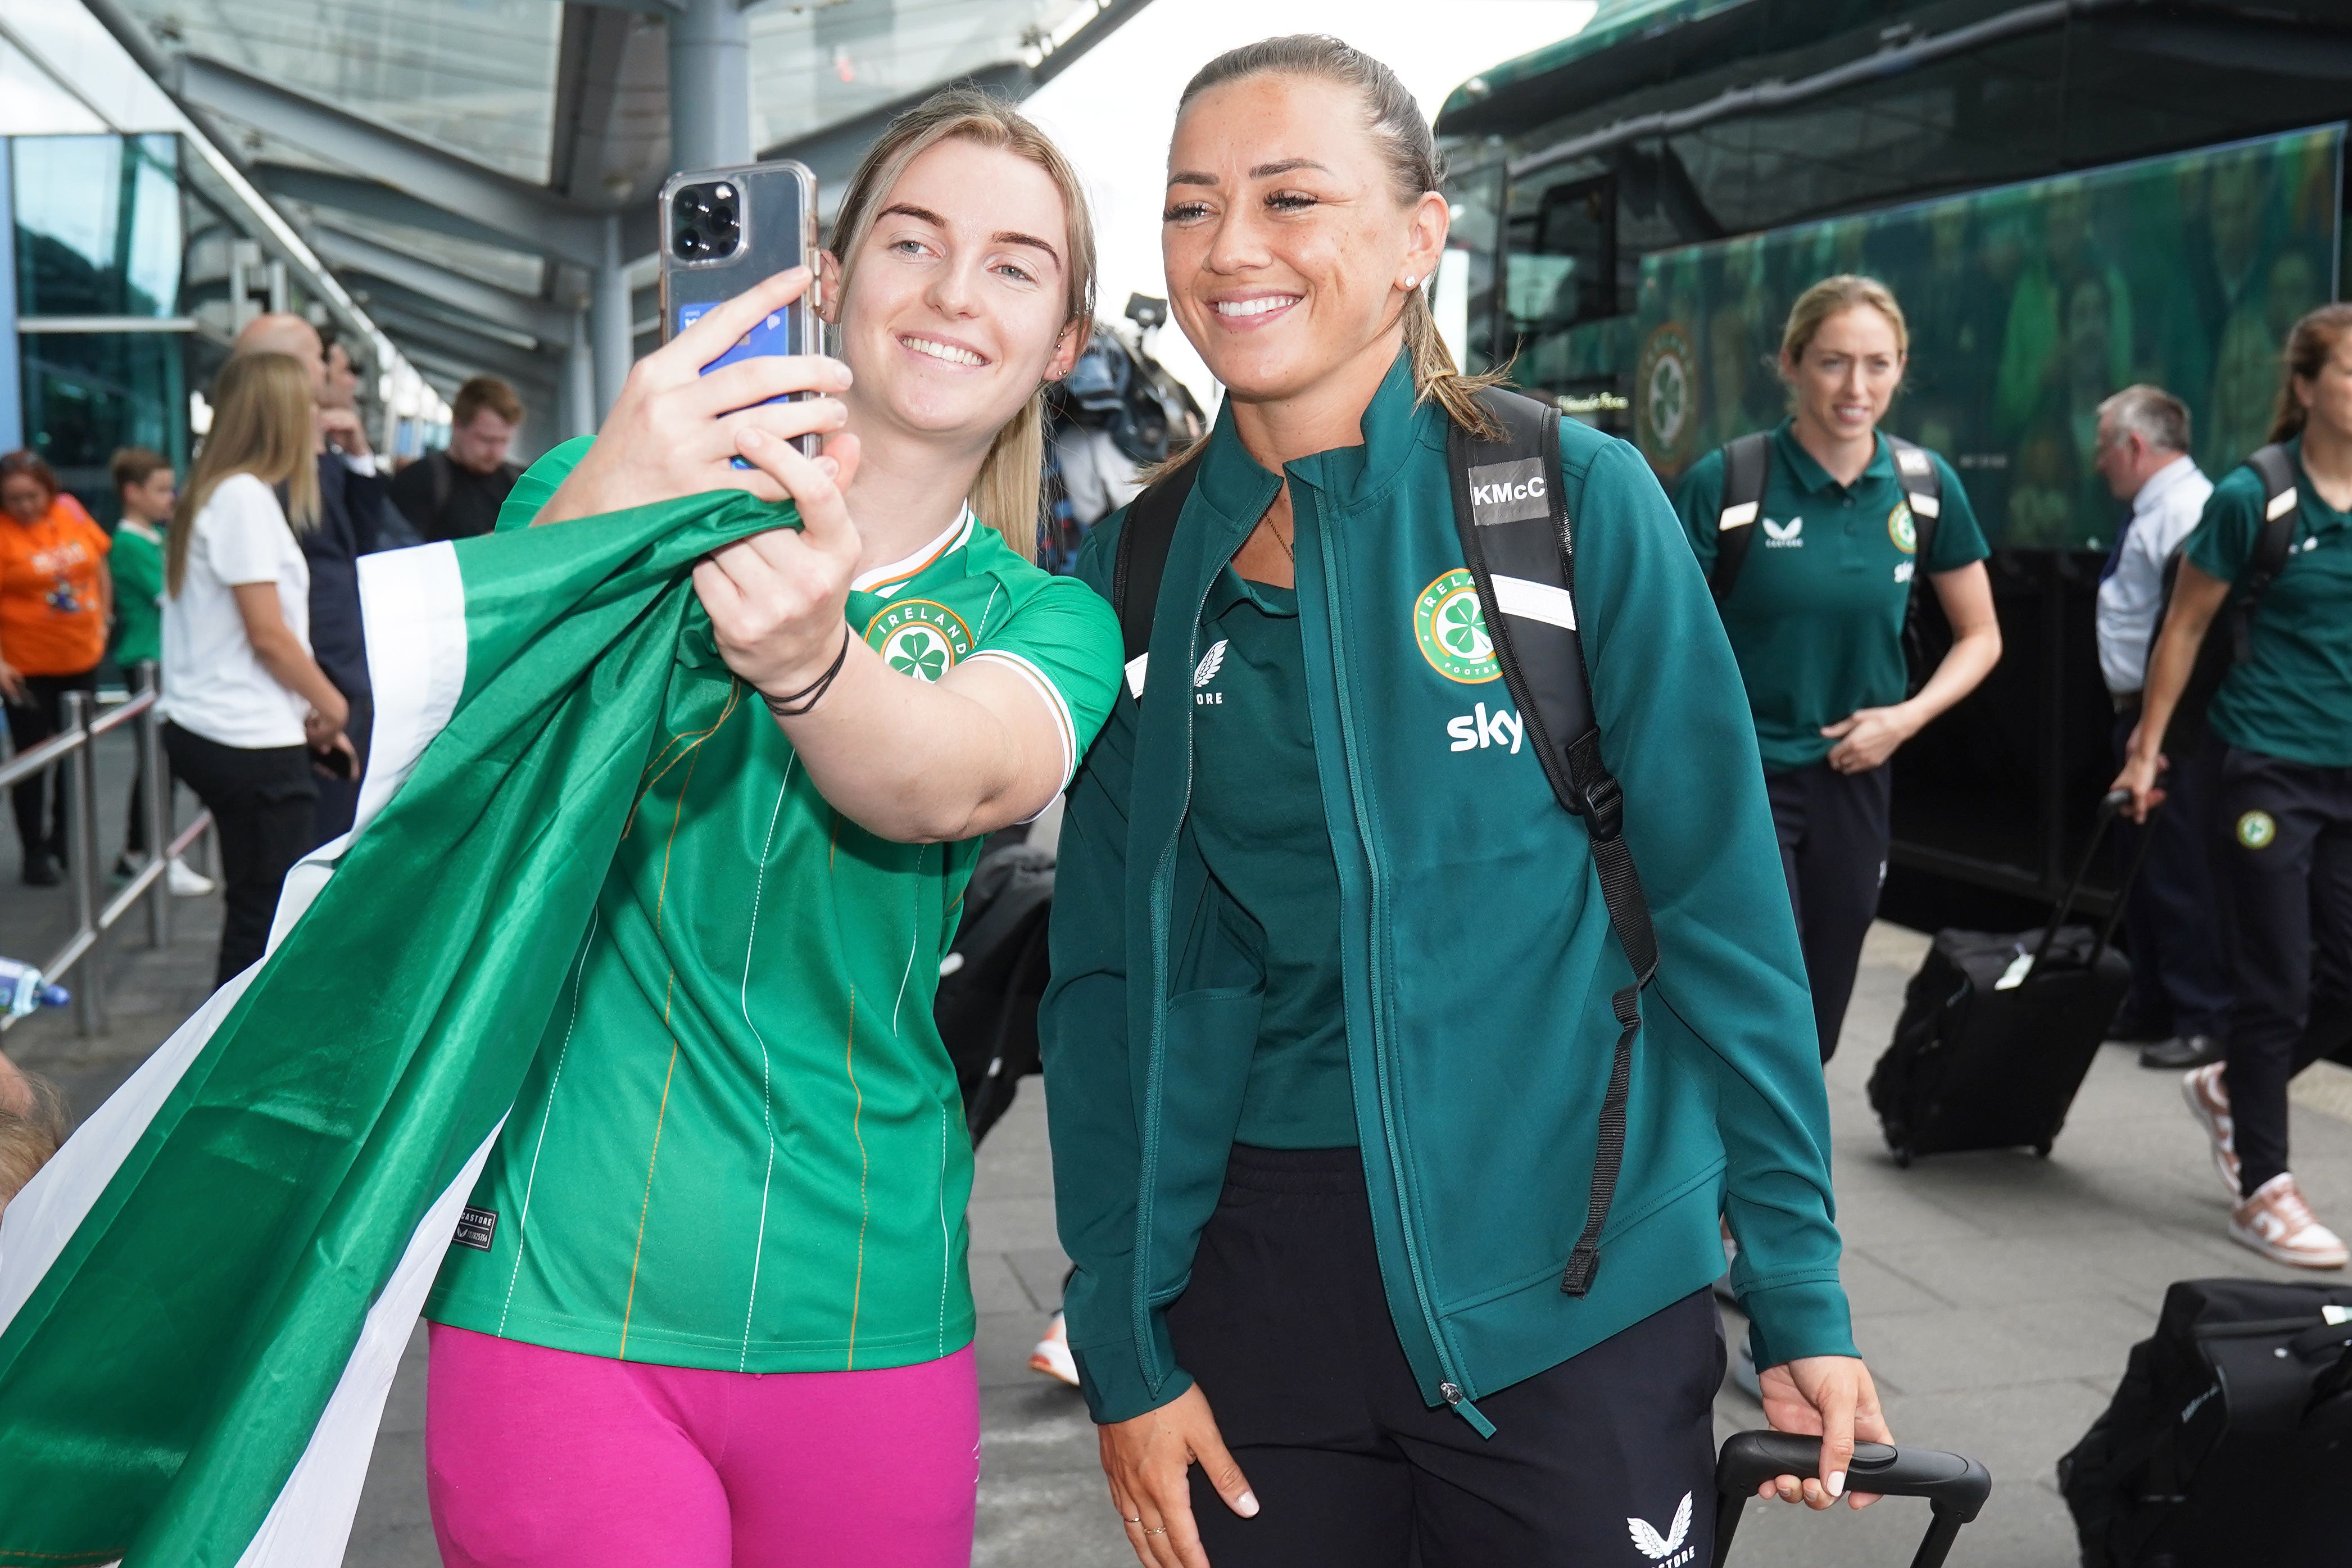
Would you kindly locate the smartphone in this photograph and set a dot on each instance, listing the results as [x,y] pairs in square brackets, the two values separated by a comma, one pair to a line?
[724,230]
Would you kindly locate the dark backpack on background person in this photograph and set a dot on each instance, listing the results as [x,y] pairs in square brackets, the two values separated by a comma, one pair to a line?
[1748,470]
[2185,735]
[1518,544]
[2229,1441]
[993,976]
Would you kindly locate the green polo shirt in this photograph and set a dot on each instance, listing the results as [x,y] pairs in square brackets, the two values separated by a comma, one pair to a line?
[1816,618]
[1257,815]
[2293,696]
[137,562]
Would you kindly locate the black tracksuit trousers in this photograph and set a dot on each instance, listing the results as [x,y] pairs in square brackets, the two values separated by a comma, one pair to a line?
[2284,854]
[1834,830]
[1285,1327]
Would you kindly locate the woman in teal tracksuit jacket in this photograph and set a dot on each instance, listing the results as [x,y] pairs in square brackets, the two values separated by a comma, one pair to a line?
[1396,1358]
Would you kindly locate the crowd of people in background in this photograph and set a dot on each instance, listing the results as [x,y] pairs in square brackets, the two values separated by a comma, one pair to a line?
[241,588]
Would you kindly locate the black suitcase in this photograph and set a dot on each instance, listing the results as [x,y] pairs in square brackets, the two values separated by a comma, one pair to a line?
[1956,1487]
[1998,1030]
[2230,1438]
[994,975]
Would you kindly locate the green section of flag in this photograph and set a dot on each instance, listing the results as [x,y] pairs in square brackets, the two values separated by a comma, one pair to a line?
[159,1384]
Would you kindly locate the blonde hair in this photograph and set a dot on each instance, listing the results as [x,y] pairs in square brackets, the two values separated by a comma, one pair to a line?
[1009,493]
[2309,345]
[1833,296]
[1402,135]
[262,425]
[30,1137]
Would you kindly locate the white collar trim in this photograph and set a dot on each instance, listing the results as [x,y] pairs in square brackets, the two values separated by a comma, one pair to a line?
[889,579]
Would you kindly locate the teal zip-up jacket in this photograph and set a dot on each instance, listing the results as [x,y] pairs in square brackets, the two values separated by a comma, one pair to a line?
[1477,956]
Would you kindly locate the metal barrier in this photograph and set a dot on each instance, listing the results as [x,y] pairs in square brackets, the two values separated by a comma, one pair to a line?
[85,950]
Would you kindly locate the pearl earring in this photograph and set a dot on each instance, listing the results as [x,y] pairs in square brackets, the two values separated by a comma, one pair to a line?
[1412,282]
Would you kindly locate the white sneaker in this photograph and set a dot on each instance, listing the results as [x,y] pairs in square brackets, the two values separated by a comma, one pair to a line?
[2209,1102]
[2277,1223]
[186,882]
[1053,1356]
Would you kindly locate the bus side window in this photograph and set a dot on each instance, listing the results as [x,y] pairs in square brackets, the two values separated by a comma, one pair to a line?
[1562,263]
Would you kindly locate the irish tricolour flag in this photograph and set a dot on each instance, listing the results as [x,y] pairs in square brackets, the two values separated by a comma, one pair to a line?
[204,1296]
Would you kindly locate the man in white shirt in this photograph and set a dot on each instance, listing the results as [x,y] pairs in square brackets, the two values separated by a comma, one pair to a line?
[2181,995]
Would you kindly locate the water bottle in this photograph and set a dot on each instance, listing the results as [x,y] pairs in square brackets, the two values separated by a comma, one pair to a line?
[21,990]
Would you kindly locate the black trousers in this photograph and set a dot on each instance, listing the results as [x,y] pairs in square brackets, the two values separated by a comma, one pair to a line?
[40,801]
[261,799]
[1285,1328]
[2180,975]
[2286,854]
[1833,838]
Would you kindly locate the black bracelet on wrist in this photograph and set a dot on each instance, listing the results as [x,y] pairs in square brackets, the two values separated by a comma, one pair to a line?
[801,702]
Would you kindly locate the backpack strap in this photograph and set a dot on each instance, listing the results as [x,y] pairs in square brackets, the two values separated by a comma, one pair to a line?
[1511,514]
[1142,561]
[1923,490]
[2281,505]
[1747,467]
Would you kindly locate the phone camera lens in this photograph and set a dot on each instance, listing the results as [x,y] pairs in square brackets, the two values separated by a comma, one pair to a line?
[709,224]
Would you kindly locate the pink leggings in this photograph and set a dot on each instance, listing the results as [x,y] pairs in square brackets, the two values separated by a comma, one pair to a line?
[544,1459]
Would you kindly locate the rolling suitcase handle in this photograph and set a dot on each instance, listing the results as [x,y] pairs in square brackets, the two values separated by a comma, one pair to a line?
[2110,807]
[1955,1486]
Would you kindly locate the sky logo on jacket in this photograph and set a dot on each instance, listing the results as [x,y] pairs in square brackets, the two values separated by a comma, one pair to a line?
[1477,730]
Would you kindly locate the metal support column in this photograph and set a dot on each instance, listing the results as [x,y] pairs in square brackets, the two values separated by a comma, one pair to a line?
[156,778]
[81,796]
[582,413]
[609,328]
[710,85]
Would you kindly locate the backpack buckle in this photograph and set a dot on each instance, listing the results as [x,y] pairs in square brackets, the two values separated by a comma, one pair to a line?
[1601,803]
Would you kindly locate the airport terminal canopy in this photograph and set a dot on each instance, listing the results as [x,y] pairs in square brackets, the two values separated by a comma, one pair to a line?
[481,174]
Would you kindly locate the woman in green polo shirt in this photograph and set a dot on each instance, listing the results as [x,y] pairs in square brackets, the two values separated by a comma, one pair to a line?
[2283,713]
[708,1304]
[1816,613]
[1331,1024]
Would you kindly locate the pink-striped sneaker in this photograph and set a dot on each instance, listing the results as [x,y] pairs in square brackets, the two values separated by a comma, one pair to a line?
[2277,1223]
[1052,1357]
[2209,1101]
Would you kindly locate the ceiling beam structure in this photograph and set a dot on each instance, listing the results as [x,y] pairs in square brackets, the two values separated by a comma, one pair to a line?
[530,217]
[539,319]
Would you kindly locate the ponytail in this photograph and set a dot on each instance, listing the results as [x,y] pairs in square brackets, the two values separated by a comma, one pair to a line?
[2309,345]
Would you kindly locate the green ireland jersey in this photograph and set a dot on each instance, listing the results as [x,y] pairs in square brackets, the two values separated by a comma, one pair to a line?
[1816,618]
[741,1145]
[2292,696]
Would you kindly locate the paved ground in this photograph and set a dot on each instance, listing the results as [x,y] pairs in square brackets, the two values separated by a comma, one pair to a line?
[1996,1294]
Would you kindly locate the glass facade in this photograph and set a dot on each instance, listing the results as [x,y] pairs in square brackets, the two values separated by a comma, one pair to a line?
[98,225]
[99,232]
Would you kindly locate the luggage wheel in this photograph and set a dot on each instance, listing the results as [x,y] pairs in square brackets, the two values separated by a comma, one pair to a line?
[2041,1150]
[1903,1156]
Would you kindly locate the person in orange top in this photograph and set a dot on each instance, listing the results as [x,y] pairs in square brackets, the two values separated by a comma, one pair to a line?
[55,599]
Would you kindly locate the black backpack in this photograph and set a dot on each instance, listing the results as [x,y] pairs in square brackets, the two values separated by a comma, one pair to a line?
[1509,510]
[994,975]
[2185,735]
[2230,1439]
[1747,467]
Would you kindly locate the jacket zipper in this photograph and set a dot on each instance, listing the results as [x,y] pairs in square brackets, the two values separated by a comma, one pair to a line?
[1449,1387]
